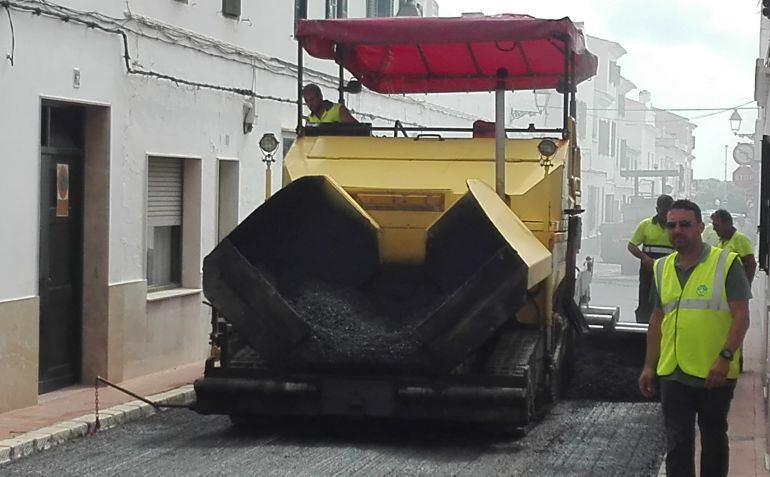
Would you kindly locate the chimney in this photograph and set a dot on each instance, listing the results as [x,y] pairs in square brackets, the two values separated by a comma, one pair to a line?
[645,97]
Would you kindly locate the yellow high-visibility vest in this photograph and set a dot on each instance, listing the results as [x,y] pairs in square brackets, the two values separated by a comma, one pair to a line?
[331,115]
[696,319]
[738,243]
[653,236]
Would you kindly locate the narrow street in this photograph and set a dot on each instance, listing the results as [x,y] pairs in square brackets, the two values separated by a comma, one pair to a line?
[593,432]
[577,438]
[610,288]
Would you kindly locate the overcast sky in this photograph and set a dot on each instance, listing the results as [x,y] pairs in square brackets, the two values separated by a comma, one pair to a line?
[687,53]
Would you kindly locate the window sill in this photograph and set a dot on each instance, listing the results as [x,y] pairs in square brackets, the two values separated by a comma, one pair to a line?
[173,293]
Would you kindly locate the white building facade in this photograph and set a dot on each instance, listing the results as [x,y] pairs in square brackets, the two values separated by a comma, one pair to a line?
[761,168]
[130,149]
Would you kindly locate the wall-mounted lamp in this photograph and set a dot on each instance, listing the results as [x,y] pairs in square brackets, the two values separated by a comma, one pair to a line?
[249,115]
[735,125]
[268,144]
[735,121]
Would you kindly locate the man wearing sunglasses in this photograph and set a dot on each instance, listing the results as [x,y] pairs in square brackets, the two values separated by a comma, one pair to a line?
[651,236]
[693,342]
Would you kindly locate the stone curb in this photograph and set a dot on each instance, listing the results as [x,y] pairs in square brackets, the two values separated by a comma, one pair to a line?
[57,434]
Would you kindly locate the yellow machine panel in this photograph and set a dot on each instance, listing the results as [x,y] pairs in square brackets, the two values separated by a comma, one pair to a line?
[405,184]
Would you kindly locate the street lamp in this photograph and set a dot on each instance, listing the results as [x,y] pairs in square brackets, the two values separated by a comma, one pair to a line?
[735,125]
[268,144]
[735,121]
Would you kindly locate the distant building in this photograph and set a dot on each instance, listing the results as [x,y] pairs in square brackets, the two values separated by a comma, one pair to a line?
[674,146]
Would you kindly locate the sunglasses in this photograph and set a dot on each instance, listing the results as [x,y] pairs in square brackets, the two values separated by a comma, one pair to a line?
[683,224]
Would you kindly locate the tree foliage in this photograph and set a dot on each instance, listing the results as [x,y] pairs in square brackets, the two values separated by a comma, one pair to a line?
[707,191]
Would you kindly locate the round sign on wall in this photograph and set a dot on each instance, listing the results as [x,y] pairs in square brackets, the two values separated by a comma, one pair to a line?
[743,154]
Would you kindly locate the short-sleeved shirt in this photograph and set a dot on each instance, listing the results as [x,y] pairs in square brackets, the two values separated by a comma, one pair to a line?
[736,288]
[738,243]
[650,232]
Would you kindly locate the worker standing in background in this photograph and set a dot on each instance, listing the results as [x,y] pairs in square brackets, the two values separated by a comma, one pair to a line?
[701,316]
[651,235]
[732,240]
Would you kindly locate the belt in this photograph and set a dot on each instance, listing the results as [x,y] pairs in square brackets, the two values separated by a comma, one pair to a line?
[657,249]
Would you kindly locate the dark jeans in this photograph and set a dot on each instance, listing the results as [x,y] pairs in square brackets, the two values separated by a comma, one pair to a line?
[646,284]
[644,309]
[681,403]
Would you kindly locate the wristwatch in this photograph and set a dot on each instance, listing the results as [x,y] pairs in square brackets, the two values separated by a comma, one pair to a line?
[726,354]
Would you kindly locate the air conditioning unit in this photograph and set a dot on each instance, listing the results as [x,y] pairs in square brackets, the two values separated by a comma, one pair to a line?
[231,8]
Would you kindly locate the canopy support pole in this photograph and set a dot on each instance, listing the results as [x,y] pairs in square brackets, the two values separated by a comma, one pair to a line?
[300,79]
[300,14]
[500,142]
[341,74]
[567,87]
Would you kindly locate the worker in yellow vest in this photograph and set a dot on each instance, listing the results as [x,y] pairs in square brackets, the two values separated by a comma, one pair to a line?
[651,236]
[693,343]
[323,111]
[732,240]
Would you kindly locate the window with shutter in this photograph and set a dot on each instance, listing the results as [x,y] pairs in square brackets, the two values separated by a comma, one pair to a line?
[613,138]
[165,179]
[623,154]
[336,8]
[604,137]
[379,8]
[231,8]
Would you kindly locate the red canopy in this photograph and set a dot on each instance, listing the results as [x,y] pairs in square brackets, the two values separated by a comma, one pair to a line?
[418,55]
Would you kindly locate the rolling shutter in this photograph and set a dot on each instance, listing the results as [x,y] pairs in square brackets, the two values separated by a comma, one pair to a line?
[164,192]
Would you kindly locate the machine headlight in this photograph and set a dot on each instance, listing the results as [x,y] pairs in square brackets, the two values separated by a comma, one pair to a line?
[268,143]
[547,147]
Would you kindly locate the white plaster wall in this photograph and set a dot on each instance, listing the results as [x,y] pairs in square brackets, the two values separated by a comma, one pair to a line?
[43,68]
[151,116]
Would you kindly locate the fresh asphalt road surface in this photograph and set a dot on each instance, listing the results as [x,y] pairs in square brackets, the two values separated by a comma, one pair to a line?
[578,438]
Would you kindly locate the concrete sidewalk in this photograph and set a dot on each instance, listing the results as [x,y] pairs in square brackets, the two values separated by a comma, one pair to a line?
[747,419]
[69,413]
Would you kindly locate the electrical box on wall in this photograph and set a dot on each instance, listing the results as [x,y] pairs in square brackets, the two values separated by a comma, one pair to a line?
[231,8]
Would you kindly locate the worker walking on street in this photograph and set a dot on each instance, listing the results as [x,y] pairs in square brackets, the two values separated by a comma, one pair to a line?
[651,235]
[732,240]
[693,342]
[324,111]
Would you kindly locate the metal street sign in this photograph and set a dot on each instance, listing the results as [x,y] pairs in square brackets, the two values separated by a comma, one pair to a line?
[743,154]
[743,177]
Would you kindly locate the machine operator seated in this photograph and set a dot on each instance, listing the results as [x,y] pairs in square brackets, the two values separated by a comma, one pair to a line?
[324,111]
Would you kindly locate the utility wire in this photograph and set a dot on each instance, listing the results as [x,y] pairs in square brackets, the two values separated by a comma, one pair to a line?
[10,56]
[200,43]
[176,37]
[127,55]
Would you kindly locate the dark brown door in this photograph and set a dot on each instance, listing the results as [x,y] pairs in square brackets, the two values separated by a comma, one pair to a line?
[61,247]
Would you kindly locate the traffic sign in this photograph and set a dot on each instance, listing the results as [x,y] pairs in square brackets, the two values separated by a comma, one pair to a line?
[743,177]
[743,154]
